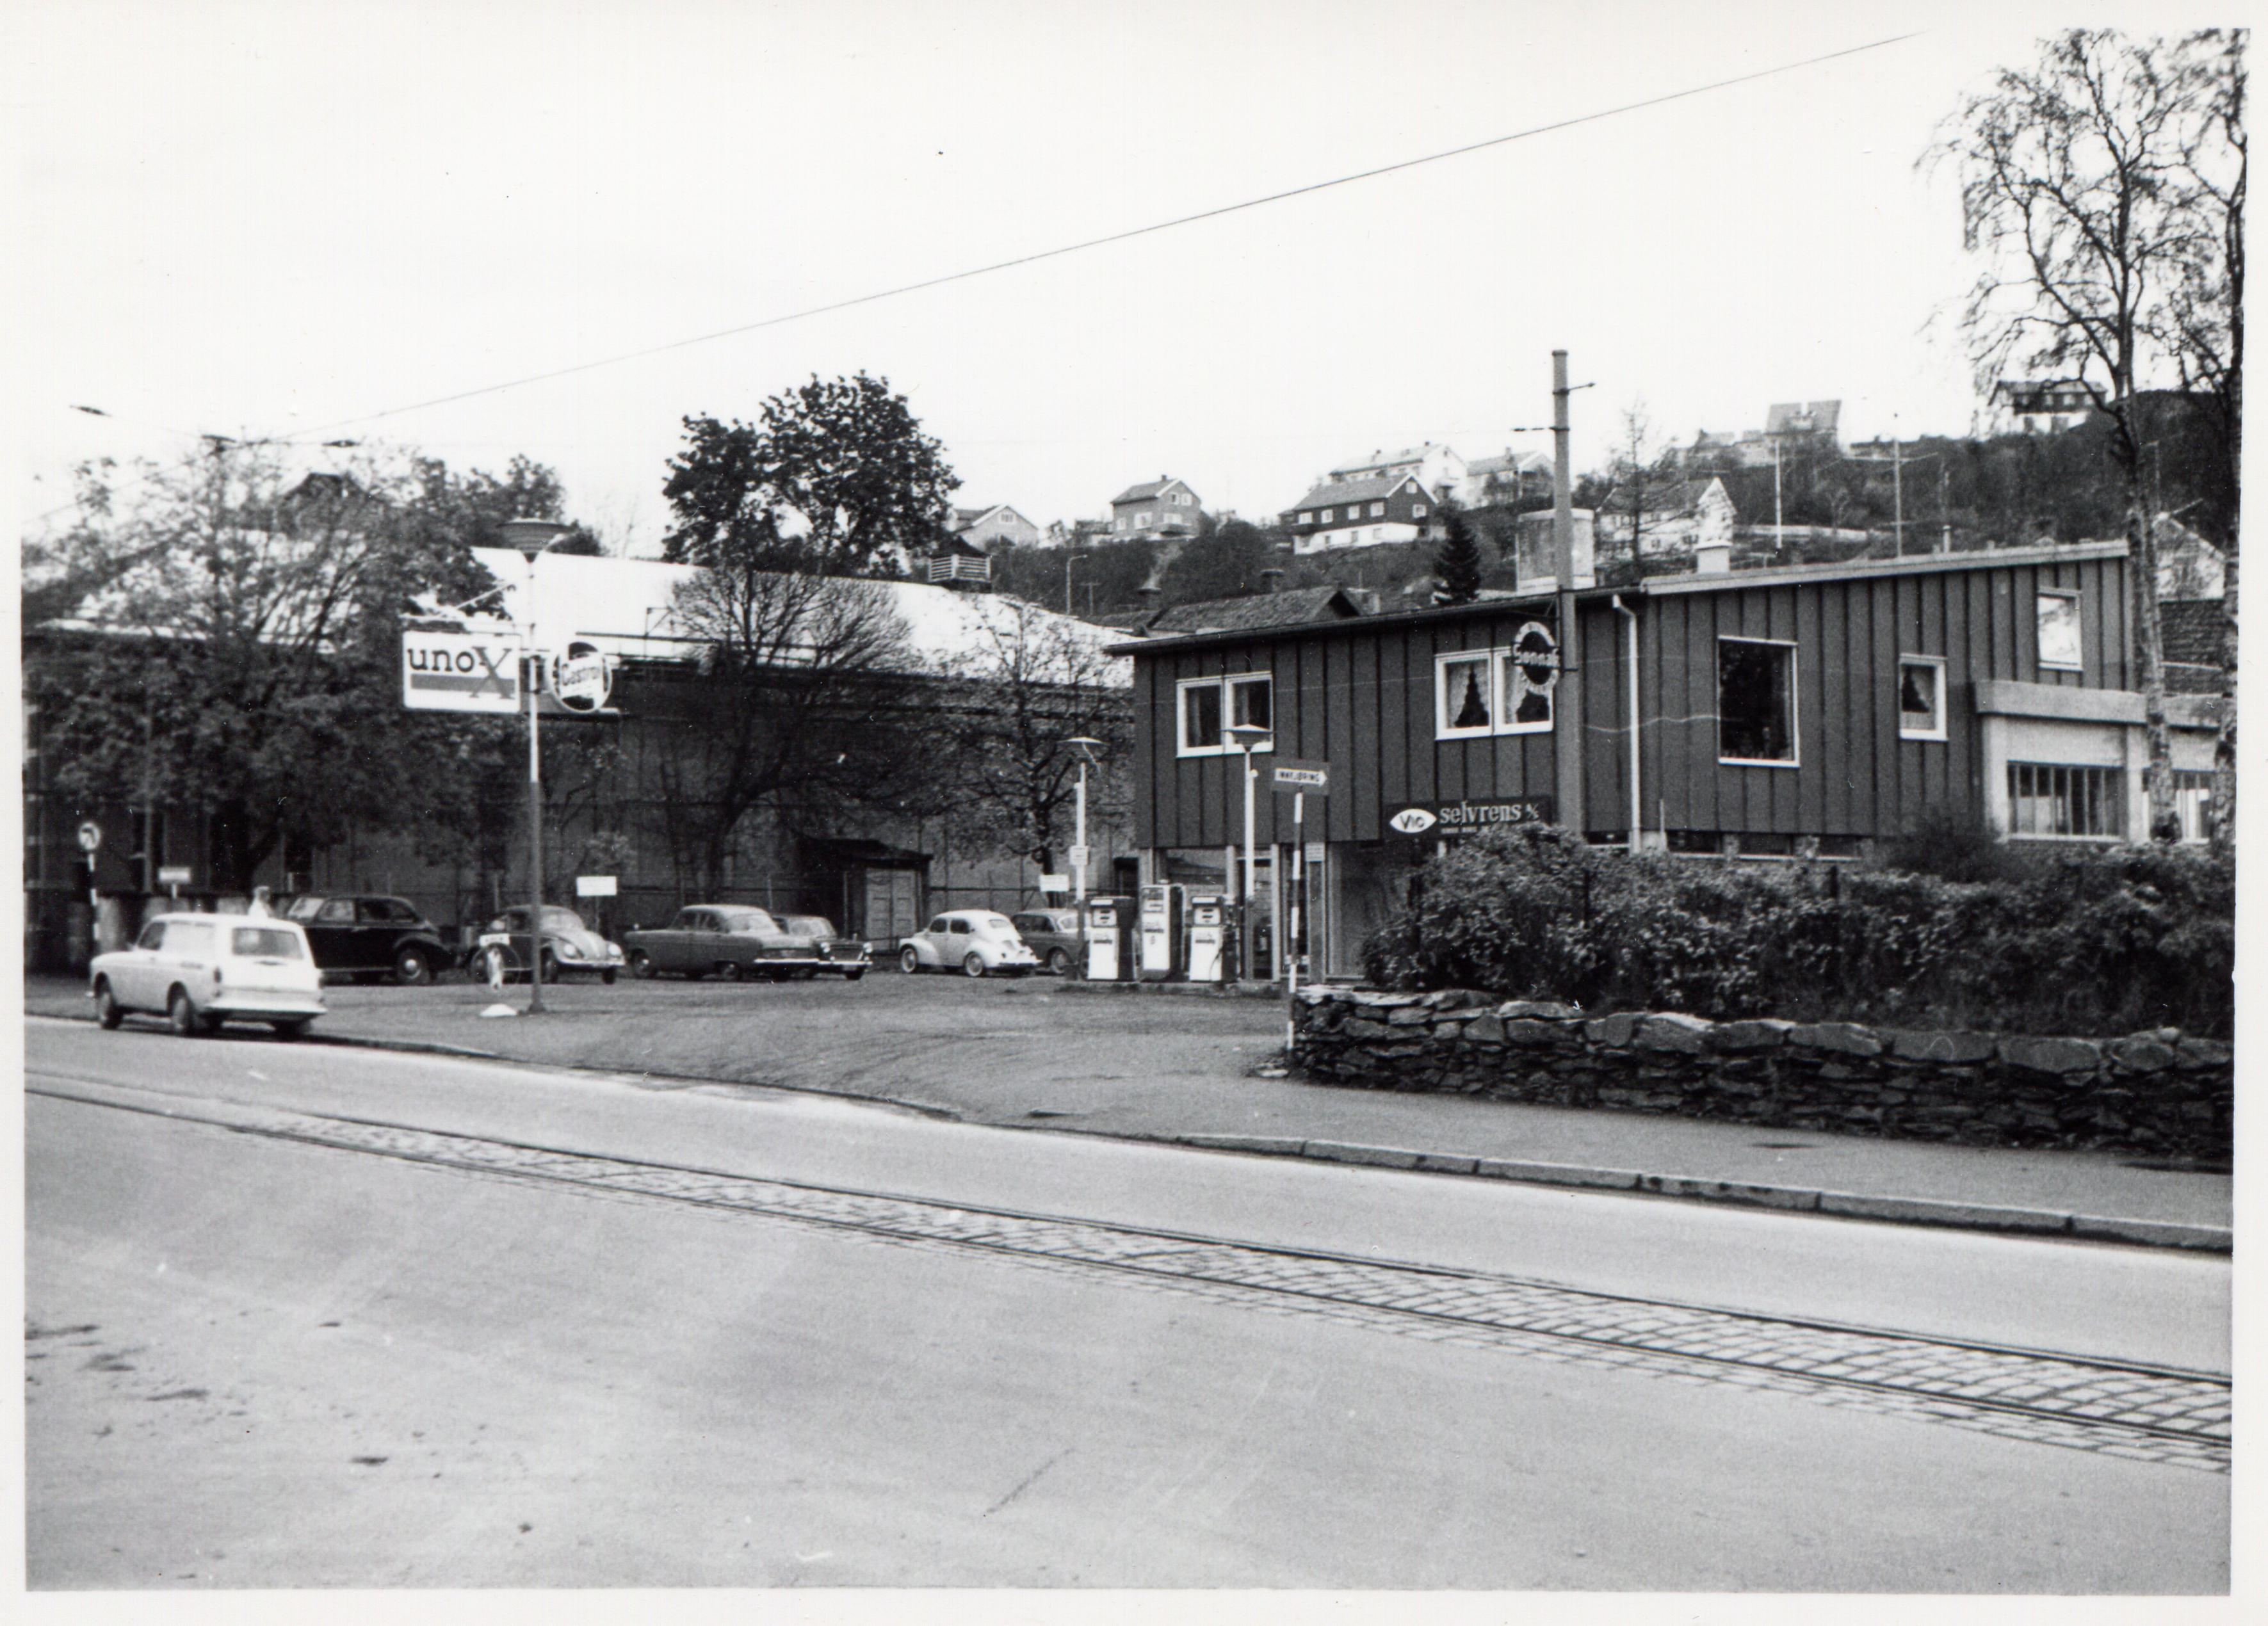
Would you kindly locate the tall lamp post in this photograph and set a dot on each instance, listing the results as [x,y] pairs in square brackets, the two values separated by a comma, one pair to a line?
[1087,747]
[532,537]
[1246,737]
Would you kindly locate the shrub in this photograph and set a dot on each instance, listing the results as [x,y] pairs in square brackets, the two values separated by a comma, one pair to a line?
[2100,941]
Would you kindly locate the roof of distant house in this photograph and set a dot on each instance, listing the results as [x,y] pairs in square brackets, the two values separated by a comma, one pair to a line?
[1253,611]
[1388,460]
[1803,417]
[1148,488]
[1509,462]
[1354,490]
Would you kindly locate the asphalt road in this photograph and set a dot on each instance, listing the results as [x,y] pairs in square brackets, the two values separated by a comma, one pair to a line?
[298,1316]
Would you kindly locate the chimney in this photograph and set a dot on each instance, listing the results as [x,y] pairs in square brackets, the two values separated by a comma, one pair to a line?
[1712,558]
[1274,578]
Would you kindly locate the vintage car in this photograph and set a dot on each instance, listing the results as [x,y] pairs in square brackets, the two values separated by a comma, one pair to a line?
[501,952]
[1051,934]
[199,971]
[735,940]
[974,942]
[370,935]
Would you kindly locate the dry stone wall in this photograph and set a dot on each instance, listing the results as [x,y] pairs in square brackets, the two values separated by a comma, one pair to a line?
[2158,1092]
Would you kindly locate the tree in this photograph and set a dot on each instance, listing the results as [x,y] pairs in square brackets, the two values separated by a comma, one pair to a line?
[1228,564]
[802,704]
[836,477]
[1035,683]
[2097,186]
[1458,563]
[220,637]
[470,510]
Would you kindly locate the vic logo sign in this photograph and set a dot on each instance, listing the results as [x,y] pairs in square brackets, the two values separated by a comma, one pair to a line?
[460,672]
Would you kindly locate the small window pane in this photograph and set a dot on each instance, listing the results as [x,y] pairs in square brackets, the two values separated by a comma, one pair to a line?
[337,911]
[2058,613]
[1465,699]
[267,943]
[153,935]
[1921,699]
[1201,717]
[1251,697]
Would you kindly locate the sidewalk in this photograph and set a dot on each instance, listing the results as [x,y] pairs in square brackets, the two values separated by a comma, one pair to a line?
[1203,1085]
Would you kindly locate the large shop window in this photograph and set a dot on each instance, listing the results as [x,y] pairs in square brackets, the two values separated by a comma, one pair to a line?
[1211,706]
[2058,624]
[2050,798]
[1756,702]
[1498,691]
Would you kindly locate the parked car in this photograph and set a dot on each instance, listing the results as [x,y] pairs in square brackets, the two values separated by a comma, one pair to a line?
[735,940]
[568,946]
[199,971]
[1053,935]
[370,935]
[976,941]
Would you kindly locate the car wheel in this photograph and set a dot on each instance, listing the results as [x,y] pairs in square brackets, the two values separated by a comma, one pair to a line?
[412,970]
[183,1014]
[728,970]
[296,1028]
[972,964]
[641,964]
[108,1011]
[608,977]
[908,961]
[1059,961]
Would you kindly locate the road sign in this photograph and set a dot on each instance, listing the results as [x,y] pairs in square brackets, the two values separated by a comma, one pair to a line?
[90,836]
[461,671]
[594,885]
[1315,852]
[1076,856]
[173,875]
[1462,818]
[1290,774]
[1055,883]
[583,677]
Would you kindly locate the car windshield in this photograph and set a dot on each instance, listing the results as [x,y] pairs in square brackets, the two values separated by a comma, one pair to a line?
[746,921]
[303,908]
[265,943]
[807,926]
[562,920]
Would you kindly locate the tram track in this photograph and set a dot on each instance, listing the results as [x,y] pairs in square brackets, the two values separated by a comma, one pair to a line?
[2118,1407]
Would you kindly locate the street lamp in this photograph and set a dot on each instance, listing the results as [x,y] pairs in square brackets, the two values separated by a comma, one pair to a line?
[532,537]
[1087,747]
[1246,737]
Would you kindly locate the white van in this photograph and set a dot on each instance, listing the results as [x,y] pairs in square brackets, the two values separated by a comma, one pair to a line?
[198,971]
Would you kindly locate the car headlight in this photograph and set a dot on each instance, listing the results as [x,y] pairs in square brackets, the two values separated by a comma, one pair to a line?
[566,950]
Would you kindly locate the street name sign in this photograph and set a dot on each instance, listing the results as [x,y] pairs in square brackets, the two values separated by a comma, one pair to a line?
[1290,774]
[173,875]
[1076,857]
[461,671]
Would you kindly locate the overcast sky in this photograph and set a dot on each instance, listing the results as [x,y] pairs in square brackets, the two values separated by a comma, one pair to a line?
[269,219]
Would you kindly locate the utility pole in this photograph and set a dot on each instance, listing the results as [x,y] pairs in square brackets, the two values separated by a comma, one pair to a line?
[1567,694]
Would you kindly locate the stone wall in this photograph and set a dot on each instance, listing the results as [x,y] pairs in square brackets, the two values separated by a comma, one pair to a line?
[2157,1092]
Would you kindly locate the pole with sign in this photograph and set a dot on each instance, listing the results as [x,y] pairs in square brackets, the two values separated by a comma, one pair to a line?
[90,841]
[1301,779]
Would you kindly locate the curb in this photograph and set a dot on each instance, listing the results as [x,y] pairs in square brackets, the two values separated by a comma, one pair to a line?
[1184,991]
[1841,1204]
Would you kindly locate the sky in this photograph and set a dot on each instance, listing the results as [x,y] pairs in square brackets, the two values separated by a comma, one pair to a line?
[270,220]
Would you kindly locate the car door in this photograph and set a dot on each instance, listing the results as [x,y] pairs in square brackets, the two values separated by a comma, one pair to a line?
[959,937]
[380,924]
[331,935]
[134,976]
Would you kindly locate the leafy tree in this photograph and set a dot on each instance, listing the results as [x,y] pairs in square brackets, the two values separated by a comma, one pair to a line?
[1458,563]
[2098,186]
[1226,564]
[1035,683]
[220,637]
[470,509]
[803,697]
[836,477]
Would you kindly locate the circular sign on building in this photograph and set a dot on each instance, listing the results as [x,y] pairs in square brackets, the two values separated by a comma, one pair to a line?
[90,836]
[583,677]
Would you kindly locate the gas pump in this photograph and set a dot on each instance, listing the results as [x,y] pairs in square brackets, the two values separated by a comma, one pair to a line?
[1110,940]
[1164,952]
[1210,917]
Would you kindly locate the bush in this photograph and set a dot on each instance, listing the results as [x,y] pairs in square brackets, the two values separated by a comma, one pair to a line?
[2100,941]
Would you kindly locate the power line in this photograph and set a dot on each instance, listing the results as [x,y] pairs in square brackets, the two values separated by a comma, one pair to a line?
[1115,237]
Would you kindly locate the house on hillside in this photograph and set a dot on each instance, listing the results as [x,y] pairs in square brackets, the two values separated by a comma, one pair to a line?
[1673,517]
[1361,513]
[2036,405]
[1504,479]
[1806,712]
[997,524]
[1790,426]
[1438,468]
[1163,507]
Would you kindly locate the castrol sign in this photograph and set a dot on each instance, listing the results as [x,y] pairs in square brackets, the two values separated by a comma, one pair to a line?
[461,671]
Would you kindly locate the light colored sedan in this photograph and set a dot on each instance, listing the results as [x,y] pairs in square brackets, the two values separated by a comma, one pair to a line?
[975,942]
[199,971]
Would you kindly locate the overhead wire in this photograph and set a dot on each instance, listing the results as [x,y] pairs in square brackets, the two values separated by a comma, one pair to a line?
[1115,237]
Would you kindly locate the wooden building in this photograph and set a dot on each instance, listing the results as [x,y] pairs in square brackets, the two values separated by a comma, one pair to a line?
[1775,713]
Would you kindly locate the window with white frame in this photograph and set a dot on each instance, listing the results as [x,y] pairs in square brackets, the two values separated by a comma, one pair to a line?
[2055,798]
[1209,707]
[2193,802]
[2058,628]
[1756,702]
[1146,519]
[1308,518]
[1377,511]
[1417,510]
[1327,516]
[1921,698]
[1496,691]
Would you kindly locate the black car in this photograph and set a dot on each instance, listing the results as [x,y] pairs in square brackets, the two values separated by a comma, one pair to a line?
[367,935]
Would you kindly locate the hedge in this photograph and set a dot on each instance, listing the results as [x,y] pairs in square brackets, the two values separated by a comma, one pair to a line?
[2097,941]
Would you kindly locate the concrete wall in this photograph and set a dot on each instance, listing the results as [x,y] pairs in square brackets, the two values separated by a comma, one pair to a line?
[2158,1092]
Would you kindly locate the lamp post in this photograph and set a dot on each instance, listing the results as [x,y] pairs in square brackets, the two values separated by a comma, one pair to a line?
[1245,736]
[532,537]
[1087,747]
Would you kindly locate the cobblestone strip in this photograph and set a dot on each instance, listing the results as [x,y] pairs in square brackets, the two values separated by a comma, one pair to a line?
[2148,1416]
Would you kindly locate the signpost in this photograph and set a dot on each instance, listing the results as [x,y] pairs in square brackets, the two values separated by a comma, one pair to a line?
[461,671]
[1300,778]
[173,877]
[90,840]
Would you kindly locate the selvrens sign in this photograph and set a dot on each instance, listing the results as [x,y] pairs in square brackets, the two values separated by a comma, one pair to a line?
[461,671]
[1458,818]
